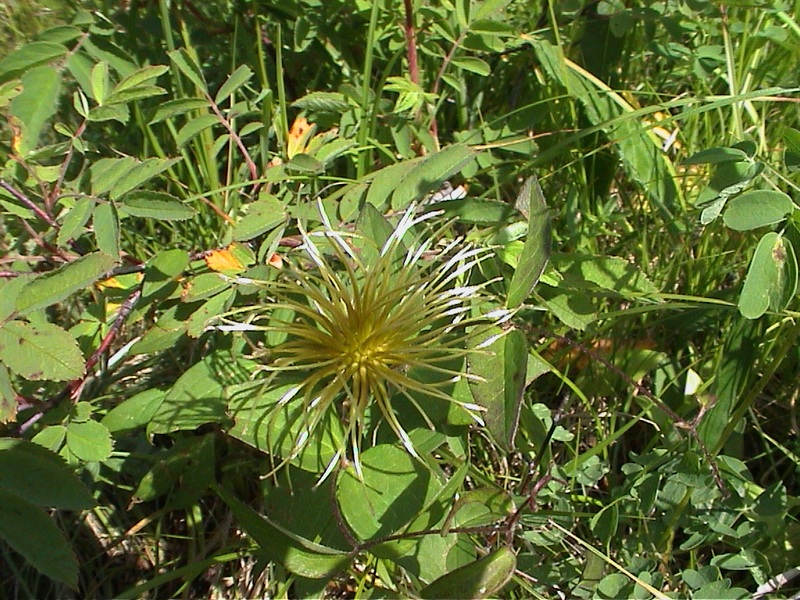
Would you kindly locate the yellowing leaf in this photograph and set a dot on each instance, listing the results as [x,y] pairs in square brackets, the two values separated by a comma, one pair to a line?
[233,259]
[299,135]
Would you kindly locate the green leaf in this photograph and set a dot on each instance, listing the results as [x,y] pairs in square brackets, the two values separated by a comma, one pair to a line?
[106,229]
[35,105]
[40,351]
[482,578]
[135,93]
[714,156]
[771,280]
[536,251]
[500,391]
[8,397]
[187,65]
[29,56]
[188,465]
[323,102]
[472,64]
[89,441]
[31,532]
[477,211]
[299,555]
[430,173]
[156,205]
[235,80]
[262,215]
[51,438]
[140,173]
[197,398]
[163,270]
[135,412]
[173,108]
[40,476]
[194,127]
[757,208]
[74,220]
[145,75]
[57,285]
[100,82]
[791,155]
[395,489]
[210,310]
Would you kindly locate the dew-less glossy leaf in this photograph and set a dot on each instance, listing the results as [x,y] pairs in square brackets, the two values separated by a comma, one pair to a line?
[477,211]
[51,438]
[771,280]
[194,127]
[156,205]
[235,80]
[29,56]
[197,398]
[35,105]
[536,251]
[299,555]
[89,441]
[472,64]
[177,107]
[480,579]
[8,397]
[204,286]
[40,351]
[187,65]
[757,208]
[322,102]
[140,92]
[31,532]
[262,215]
[713,156]
[100,82]
[106,229]
[75,219]
[209,311]
[396,488]
[258,423]
[143,76]
[430,173]
[139,173]
[163,270]
[40,476]
[57,285]
[502,371]
[134,412]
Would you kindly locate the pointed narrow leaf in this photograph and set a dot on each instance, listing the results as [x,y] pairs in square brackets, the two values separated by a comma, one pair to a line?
[480,579]
[156,205]
[53,287]
[40,351]
[187,65]
[31,55]
[536,251]
[500,390]
[235,80]
[35,105]
[264,214]
[143,76]
[75,219]
[297,554]
[30,531]
[106,229]
[430,173]
[140,173]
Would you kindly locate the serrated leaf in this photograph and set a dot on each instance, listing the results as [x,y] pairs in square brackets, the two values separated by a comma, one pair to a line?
[473,65]
[264,214]
[480,579]
[31,55]
[139,173]
[757,208]
[110,112]
[106,229]
[8,397]
[163,270]
[297,554]
[31,532]
[430,173]
[771,280]
[235,80]
[187,65]
[196,324]
[57,285]
[177,107]
[536,251]
[142,76]
[40,351]
[139,92]
[35,105]
[89,441]
[194,127]
[100,82]
[40,476]
[323,102]
[156,205]
[75,219]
